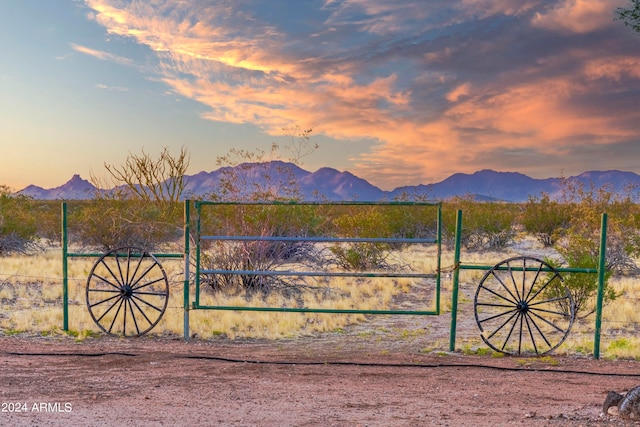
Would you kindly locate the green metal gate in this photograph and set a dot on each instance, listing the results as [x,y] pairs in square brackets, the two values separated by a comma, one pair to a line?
[521,305]
[238,241]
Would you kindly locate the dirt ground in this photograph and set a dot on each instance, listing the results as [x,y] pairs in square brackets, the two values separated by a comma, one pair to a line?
[331,381]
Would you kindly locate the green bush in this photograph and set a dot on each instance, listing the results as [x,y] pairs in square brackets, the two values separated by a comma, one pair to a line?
[545,219]
[485,225]
[286,220]
[18,225]
[583,287]
[109,223]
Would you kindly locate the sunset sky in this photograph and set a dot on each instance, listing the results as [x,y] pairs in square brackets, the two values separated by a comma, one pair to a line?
[398,93]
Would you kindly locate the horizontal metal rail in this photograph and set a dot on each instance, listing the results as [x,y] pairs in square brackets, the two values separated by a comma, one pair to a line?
[504,268]
[319,239]
[98,255]
[319,274]
[199,203]
[314,310]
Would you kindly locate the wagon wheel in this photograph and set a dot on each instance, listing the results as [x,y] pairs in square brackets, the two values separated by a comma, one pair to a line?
[522,306]
[127,292]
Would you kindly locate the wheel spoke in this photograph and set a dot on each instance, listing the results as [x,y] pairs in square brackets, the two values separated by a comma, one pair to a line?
[110,291]
[108,282]
[532,297]
[495,316]
[548,322]
[142,276]
[135,271]
[524,278]
[513,325]
[102,261]
[105,300]
[515,298]
[116,315]
[545,310]
[540,332]
[513,280]
[556,299]
[514,314]
[157,294]
[512,302]
[533,340]
[520,334]
[109,309]
[147,303]
[135,322]
[136,289]
[533,282]
[122,278]
[133,301]
[124,318]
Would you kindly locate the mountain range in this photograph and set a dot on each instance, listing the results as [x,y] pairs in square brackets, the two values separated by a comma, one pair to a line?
[331,184]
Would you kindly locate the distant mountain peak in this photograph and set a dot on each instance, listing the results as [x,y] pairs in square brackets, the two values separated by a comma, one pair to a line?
[74,189]
[331,184]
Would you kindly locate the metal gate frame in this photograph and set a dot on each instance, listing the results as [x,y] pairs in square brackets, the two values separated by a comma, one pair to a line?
[66,255]
[196,305]
[600,271]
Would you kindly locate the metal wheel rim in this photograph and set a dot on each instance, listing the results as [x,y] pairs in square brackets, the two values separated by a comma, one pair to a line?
[522,306]
[127,292]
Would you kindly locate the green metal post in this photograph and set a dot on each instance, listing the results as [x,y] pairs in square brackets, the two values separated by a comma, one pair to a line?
[601,274]
[439,251]
[187,219]
[65,280]
[198,207]
[456,272]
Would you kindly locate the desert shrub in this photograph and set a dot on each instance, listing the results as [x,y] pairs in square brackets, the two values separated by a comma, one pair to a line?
[250,177]
[260,175]
[143,209]
[362,256]
[544,218]
[379,221]
[260,221]
[583,287]
[151,179]
[116,220]
[580,244]
[411,221]
[47,214]
[585,206]
[486,225]
[18,225]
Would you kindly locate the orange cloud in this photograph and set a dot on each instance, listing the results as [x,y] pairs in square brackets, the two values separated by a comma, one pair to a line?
[429,122]
[578,16]
[105,56]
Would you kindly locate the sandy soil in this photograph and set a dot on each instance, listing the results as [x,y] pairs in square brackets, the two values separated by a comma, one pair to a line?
[316,381]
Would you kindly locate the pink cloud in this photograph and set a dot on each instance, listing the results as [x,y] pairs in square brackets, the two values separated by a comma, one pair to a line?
[577,16]
[260,76]
[105,56]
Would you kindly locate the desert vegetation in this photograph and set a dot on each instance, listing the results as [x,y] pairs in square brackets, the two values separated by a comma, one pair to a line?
[563,231]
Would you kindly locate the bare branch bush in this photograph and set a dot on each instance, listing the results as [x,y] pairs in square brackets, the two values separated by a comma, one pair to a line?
[259,176]
[143,207]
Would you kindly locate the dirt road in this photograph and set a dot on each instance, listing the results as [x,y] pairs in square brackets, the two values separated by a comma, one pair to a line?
[302,382]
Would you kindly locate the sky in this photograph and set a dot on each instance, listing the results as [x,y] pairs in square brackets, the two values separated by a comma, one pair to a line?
[398,93]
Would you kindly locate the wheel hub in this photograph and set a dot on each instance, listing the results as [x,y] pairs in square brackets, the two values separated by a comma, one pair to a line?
[522,306]
[126,291]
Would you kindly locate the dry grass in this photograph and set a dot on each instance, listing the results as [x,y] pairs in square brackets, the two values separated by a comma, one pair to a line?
[31,301]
